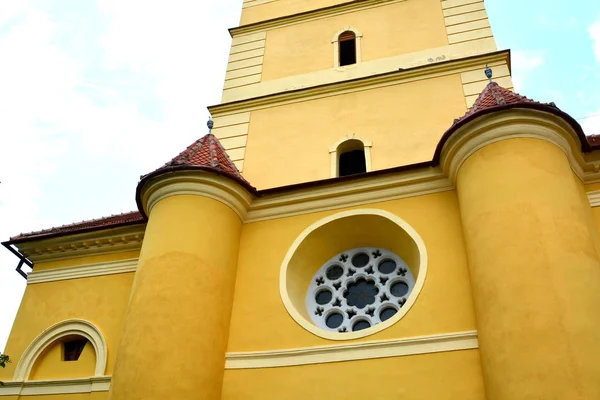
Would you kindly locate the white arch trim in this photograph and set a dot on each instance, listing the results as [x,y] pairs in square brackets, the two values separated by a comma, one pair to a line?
[65,328]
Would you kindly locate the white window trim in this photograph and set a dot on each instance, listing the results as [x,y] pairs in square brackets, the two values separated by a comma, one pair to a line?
[336,48]
[52,334]
[334,156]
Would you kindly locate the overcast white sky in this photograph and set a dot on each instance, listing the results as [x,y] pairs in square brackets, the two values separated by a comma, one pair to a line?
[95,93]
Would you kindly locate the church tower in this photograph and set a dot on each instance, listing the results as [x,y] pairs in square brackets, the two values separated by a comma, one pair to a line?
[373,213]
[309,80]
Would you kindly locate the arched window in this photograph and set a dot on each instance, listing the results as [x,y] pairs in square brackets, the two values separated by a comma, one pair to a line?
[352,162]
[347,51]
[350,156]
[346,47]
[66,341]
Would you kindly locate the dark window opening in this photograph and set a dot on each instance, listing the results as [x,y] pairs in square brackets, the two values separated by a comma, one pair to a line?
[73,349]
[352,162]
[347,42]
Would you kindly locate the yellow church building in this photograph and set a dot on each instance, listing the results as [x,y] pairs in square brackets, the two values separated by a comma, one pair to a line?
[373,214]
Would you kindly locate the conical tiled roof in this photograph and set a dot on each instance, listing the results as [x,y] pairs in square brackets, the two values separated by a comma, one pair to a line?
[495,98]
[495,95]
[208,154]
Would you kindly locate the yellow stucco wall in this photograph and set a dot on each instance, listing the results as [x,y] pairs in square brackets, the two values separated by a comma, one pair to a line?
[535,271]
[51,364]
[175,337]
[390,30]
[76,396]
[262,322]
[290,143]
[280,8]
[100,300]
[441,376]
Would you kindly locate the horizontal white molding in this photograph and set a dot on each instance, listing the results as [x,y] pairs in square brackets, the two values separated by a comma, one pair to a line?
[84,271]
[353,351]
[53,387]
[341,195]
[594,198]
[75,245]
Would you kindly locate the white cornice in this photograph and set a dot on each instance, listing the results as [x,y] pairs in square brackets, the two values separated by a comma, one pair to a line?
[201,183]
[421,72]
[510,124]
[114,240]
[84,271]
[348,194]
[353,351]
[55,387]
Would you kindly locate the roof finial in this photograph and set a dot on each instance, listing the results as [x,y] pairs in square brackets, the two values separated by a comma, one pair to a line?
[210,124]
[489,73]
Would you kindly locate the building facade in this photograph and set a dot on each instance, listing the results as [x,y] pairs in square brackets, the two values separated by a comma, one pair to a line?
[374,213]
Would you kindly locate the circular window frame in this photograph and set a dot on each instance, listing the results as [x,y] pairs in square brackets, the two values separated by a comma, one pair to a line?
[339,336]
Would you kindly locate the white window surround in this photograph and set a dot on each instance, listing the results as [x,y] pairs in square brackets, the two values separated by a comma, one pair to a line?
[65,328]
[336,48]
[335,153]
[374,272]
[292,303]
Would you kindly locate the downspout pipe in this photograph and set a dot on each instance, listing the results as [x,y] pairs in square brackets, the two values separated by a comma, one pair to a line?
[22,259]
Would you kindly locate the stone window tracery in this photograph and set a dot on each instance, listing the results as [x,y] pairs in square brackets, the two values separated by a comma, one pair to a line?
[358,289]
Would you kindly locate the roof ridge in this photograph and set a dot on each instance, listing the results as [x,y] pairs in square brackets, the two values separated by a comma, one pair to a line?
[115,219]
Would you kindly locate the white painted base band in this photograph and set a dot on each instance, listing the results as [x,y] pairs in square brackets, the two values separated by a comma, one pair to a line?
[271,359]
[354,351]
[60,386]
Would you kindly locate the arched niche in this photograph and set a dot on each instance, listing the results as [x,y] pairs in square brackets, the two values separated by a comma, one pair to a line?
[68,328]
[337,233]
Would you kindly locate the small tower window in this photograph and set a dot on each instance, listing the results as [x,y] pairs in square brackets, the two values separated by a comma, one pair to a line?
[72,349]
[351,155]
[351,158]
[347,48]
[352,162]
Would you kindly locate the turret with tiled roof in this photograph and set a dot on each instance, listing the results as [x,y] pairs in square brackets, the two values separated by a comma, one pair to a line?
[207,154]
[494,96]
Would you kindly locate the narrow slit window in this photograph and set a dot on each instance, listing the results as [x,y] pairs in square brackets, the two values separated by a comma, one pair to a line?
[73,349]
[352,162]
[347,50]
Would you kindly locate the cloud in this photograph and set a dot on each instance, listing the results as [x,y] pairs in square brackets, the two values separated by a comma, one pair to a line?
[591,124]
[562,23]
[594,31]
[524,63]
[83,116]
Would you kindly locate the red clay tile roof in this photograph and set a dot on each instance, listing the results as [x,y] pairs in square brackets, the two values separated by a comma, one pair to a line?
[104,223]
[208,153]
[495,98]
[495,95]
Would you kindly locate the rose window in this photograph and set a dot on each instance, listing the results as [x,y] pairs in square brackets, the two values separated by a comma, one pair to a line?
[358,289]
